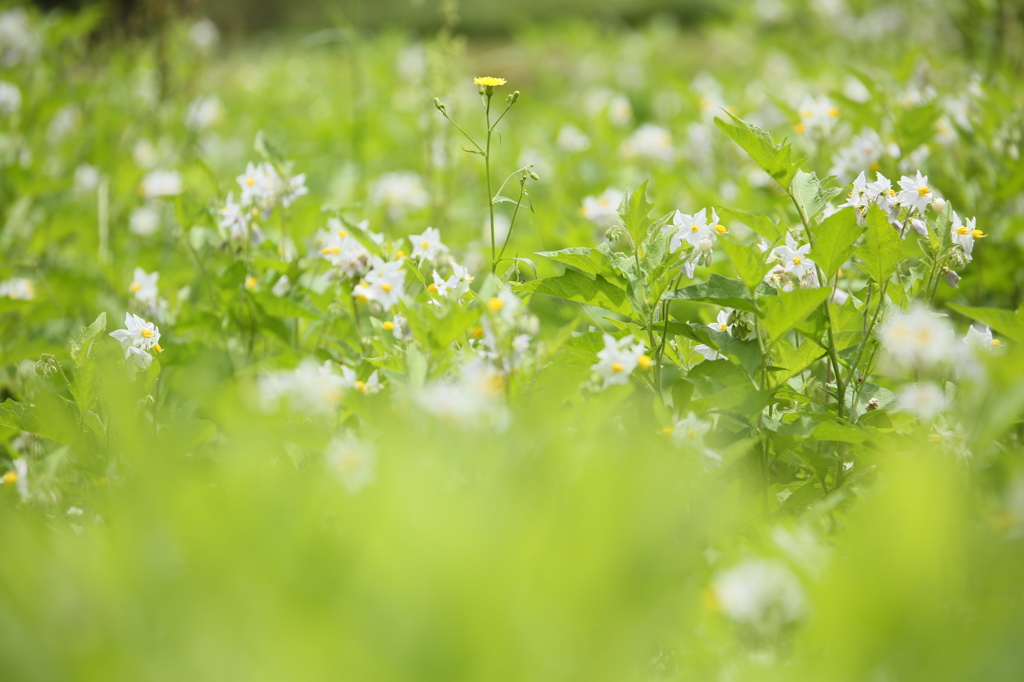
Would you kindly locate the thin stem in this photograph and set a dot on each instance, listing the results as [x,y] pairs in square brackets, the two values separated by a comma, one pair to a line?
[487,172]
[512,222]
[459,128]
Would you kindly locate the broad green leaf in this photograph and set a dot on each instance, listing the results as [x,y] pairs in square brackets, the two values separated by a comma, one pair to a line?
[787,310]
[83,388]
[808,192]
[758,222]
[777,161]
[574,286]
[879,253]
[834,239]
[843,433]
[791,361]
[82,344]
[587,260]
[731,293]
[1010,325]
[795,495]
[749,262]
[633,211]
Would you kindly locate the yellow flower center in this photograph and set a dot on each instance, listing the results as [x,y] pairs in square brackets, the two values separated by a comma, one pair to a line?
[667,431]
[645,361]
[361,298]
[432,288]
[388,325]
[136,287]
[10,478]
[250,282]
[996,342]
[364,285]
[158,348]
[797,260]
[342,233]
[720,229]
[874,165]
[935,438]
[146,334]
[326,250]
[800,128]
[424,245]
[478,333]
[385,287]
[723,327]
[692,433]
[604,201]
[805,113]
[924,191]
[495,304]
[695,228]
[361,386]
[978,234]
[250,181]
[833,111]
[617,367]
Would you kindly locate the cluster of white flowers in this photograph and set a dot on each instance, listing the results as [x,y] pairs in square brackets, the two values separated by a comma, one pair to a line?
[19,43]
[602,210]
[399,193]
[383,283]
[474,399]
[619,357]
[794,267]
[161,183]
[348,257]
[817,116]
[571,139]
[650,142]
[700,230]
[145,290]
[454,286]
[762,594]
[138,339]
[264,189]
[203,112]
[864,151]
[10,98]
[313,388]
[918,338]
[428,245]
[18,289]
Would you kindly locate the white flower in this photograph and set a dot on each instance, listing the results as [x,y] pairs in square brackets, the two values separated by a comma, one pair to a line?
[87,178]
[343,251]
[137,334]
[603,210]
[708,352]
[817,115]
[915,192]
[203,112]
[571,139]
[144,286]
[162,183]
[794,258]
[926,400]
[204,34]
[761,593]
[351,380]
[399,193]
[428,246]
[234,221]
[294,188]
[10,98]
[18,289]
[981,337]
[384,283]
[18,42]
[309,388]
[261,186]
[864,151]
[144,221]
[21,469]
[353,460]
[144,153]
[475,400]
[690,431]
[721,323]
[618,359]
[918,338]
[75,511]
[139,357]
[649,141]
[699,230]
[506,305]
[964,234]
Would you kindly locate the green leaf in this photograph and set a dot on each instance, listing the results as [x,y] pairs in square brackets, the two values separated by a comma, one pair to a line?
[731,293]
[633,211]
[574,286]
[795,495]
[1010,325]
[834,239]
[879,253]
[785,311]
[587,260]
[749,262]
[842,433]
[916,125]
[791,361]
[82,344]
[808,192]
[777,161]
[758,222]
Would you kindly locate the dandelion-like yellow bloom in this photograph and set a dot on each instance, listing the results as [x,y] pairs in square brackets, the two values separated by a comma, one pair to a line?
[488,81]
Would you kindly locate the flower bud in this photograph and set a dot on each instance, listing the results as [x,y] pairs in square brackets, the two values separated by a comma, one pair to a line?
[439,105]
[705,245]
[920,226]
[872,404]
[939,205]
[952,279]
[534,176]
[513,98]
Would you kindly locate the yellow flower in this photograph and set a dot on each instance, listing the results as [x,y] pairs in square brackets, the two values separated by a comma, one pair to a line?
[488,81]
